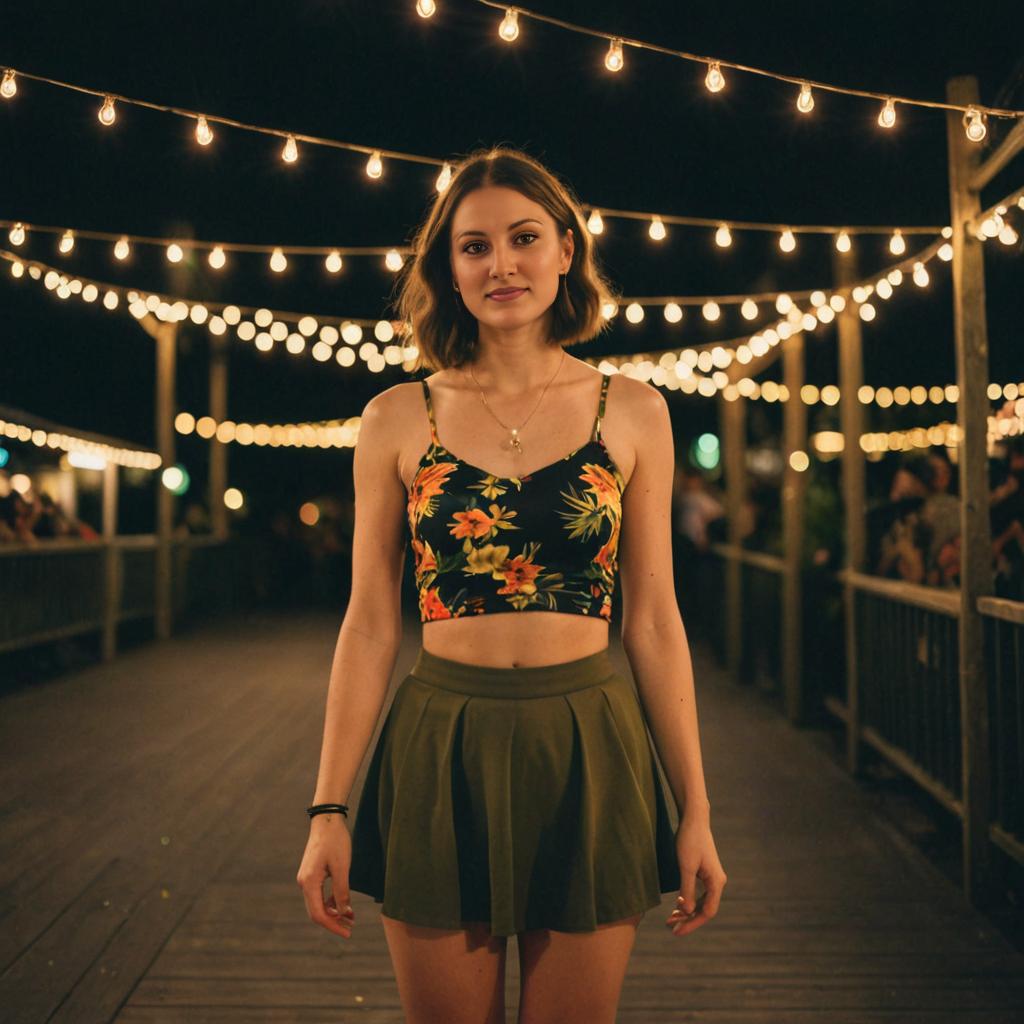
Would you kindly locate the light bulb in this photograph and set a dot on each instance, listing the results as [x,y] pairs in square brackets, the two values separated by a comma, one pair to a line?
[175,253]
[333,262]
[216,259]
[613,60]
[749,309]
[783,303]
[805,101]
[67,241]
[974,124]
[945,252]
[842,242]
[897,244]
[204,133]
[121,248]
[634,313]
[107,114]
[444,179]
[657,229]
[920,275]
[787,243]
[425,8]
[723,237]
[374,166]
[290,153]
[887,115]
[8,87]
[509,28]
[595,225]
[17,234]
[278,261]
[393,260]
[715,80]
[711,311]
[1007,235]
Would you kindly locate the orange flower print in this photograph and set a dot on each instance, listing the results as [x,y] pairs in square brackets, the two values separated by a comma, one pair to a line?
[603,484]
[425,560]
[427,484]
[519,574]
[432,607]
[476,523]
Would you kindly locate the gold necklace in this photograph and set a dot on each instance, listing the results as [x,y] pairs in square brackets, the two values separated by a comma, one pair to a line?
[514,443]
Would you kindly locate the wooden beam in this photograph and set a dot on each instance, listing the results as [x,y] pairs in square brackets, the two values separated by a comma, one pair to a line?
[732,415]
[975,533]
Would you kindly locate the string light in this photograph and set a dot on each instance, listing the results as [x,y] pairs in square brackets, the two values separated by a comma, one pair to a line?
[657,229]
[723,237]
[805,101]
[290,153]
[337,433]
[444,179]
[278,261]
[897,245]
[8,87]
[595,224]
[216,259]
[121,248]
[509,27]
[974,124]
[711,311]
[749,309]
[204,133]
[333,262]
[175,253]
[787,243]
[425,8]
[715,80]
[374,166]
[920,275]
[887,116]
[67,241]
[98,453]
[843,242]
[614,60]
[17,234]
[107,114]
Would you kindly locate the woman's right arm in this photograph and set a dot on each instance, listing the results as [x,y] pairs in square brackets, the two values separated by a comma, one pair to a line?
[365,653]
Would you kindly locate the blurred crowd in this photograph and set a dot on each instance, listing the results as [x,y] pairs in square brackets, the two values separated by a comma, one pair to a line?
[33,519]
[915,534]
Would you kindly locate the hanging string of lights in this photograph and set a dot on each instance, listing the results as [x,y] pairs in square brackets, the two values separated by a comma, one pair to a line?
[84,453]
[974,115]
[338,433]
[657,231]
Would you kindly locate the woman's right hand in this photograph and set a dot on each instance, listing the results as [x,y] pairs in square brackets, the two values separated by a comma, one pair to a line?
[328,855]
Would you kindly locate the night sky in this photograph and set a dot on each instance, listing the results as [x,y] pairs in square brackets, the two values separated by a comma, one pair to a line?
[649,138]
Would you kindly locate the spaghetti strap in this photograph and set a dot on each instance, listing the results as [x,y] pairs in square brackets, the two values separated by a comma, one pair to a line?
[600,407]
[430,412]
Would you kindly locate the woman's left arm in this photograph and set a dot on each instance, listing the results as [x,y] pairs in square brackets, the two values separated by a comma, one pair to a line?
[655,643]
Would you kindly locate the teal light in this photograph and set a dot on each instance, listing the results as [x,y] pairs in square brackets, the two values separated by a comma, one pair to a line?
[705,451]
[5,456]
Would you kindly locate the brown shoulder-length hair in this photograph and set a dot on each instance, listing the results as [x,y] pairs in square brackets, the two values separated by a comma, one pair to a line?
[444,331]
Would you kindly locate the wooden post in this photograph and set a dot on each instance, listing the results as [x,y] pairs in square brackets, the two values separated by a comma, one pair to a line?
[733,419]
[166,335]
[851,420]
[794,487]
[975,533]
[218,479]
[112,567]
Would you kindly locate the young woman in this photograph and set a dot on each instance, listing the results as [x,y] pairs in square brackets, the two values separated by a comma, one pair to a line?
[513,789]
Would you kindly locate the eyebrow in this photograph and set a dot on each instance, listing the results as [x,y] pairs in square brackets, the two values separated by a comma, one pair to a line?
[525,220]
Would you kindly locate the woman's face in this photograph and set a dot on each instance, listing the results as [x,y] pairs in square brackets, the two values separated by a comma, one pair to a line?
[500,240]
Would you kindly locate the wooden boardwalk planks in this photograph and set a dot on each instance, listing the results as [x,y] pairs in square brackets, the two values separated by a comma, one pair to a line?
[152,824]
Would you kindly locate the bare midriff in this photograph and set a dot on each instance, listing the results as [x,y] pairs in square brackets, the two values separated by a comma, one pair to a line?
[516,639]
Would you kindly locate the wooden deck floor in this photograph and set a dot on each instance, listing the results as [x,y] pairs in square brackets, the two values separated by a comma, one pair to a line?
[152,824]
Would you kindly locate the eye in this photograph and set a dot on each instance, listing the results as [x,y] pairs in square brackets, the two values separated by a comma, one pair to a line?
[524,234]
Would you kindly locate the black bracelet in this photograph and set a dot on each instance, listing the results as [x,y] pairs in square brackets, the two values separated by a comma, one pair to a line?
[326,809]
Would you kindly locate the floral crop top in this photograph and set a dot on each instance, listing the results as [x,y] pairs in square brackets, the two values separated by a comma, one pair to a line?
[547,541]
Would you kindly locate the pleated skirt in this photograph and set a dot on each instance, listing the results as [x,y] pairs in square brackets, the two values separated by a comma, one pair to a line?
[520,797]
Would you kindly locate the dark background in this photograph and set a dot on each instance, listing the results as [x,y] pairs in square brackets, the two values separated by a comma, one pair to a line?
[649,138]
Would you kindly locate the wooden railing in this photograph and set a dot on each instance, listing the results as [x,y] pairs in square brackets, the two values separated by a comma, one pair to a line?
[62,588]
[907,688]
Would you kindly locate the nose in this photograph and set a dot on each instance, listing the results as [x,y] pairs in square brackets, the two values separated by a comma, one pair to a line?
[502,261]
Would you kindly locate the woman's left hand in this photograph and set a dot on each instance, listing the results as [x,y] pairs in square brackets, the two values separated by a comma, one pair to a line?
[698,858]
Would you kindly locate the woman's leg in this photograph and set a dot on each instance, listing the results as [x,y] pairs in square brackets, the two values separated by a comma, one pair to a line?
[574,977]
[451,975]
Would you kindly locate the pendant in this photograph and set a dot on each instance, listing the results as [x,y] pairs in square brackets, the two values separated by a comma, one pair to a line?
[515,442]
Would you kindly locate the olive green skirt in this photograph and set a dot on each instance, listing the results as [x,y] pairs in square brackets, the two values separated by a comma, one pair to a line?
[520,797]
